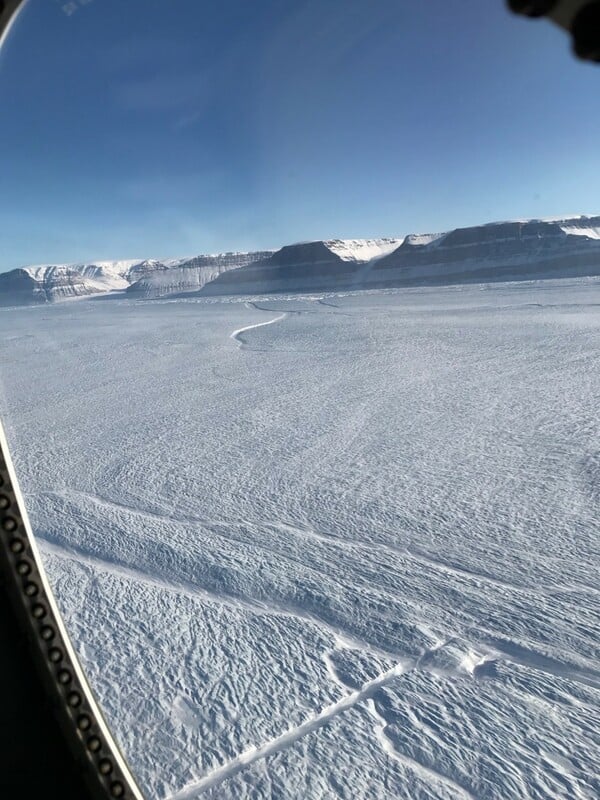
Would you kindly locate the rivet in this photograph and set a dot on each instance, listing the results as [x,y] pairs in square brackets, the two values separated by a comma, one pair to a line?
[64,677]
[47,633]
[105,766]
[74,699]
[84,722]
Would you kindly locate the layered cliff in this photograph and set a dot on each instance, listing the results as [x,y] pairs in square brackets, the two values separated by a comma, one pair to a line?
[498,251]
[190,275]
[43,285]
[307,266]
[521,250]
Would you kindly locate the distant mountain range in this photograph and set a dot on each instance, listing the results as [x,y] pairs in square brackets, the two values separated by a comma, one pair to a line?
[520,250]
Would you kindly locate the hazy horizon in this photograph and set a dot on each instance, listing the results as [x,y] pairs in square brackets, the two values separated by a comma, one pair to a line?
[179,256]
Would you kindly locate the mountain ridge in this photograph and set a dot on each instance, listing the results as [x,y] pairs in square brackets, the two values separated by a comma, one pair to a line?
[508,250]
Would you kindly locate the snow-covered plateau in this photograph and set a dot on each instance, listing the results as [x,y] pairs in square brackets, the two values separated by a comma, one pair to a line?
[332,544]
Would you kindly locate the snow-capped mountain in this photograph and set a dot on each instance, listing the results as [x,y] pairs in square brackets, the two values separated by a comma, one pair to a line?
[52,283]
[43,285]
[498,251]
[518,250]
[154,279]
[107,275]
[307,266]
[147,279]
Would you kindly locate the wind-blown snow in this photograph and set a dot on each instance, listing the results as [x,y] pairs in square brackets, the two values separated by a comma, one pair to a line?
[421,239]
[362,249]
[326,546]
[591,233]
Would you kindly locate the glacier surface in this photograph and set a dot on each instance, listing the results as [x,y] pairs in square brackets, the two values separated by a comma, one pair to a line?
[326,545]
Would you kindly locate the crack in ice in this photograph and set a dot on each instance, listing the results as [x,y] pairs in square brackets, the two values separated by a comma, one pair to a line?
[237,334]
[285,740]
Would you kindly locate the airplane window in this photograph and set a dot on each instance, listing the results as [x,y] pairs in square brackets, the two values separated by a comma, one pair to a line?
[299,372]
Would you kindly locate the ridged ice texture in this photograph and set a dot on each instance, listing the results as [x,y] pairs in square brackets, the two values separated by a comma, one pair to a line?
[331,546]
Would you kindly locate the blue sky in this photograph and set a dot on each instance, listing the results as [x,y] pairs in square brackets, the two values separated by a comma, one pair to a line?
[137,128]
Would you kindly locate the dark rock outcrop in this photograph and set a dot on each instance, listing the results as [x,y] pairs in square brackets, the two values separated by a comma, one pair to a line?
[41,285]
[499,251]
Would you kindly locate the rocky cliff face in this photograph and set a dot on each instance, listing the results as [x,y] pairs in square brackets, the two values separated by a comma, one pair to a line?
[42,285]
[190,275]
[300,266]
[142,279]
[499,251]
[308,266]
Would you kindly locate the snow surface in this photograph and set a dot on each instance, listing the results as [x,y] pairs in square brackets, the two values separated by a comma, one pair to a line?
[362,249]
[423,239]
[326,546]
[591,233]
